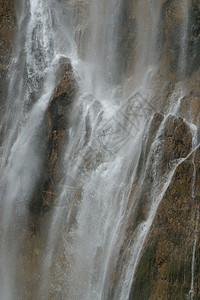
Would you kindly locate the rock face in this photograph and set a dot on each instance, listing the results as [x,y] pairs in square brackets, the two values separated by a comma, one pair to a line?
[7,32]
[174,19]
[169,266]
[172,57]
[173,141]
[166,142]
[165,268]
[169,261]
[56,125]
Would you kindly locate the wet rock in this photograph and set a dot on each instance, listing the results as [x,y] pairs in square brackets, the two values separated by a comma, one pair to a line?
[62,97]
[7,33]
[167,141]
[177,140]
[126,40]
[173,21]
[165,267]
[148,140]
[56,126]
[164,270]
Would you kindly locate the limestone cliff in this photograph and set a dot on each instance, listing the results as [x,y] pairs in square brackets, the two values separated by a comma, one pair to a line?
[55,129]
[172,245]
[166,141]
[169,261]
[165,268]
[7,32]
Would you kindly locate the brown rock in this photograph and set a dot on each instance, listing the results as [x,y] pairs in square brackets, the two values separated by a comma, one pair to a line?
[170,241]
[166,141]
[56,124]
[7,32]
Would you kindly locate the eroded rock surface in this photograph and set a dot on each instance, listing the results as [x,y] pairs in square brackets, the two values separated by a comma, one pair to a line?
[7,32]
[56,126]
[164,271]
[167,141]
[165,268]
[172,142]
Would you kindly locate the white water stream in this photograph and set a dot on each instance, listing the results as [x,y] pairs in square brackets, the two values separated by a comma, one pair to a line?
[192,291]
[104,145]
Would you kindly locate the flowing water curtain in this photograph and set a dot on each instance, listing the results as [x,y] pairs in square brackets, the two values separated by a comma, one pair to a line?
[100,213]
[85,236]
[184,40]
[39,46]
[22,160]
[92,240]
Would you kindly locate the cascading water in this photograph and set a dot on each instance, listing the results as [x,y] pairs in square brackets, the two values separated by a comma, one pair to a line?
[20,164]
[191,292]
[110,118]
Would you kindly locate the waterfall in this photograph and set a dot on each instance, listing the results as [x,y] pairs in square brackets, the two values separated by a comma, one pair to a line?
[191,292]
[110,119]
[32,68]
[183,38]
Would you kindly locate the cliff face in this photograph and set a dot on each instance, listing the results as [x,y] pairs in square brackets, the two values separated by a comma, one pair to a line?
[55,129]
[7,33]
[166,141]
[165,268]
[169,264]
[173,29]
